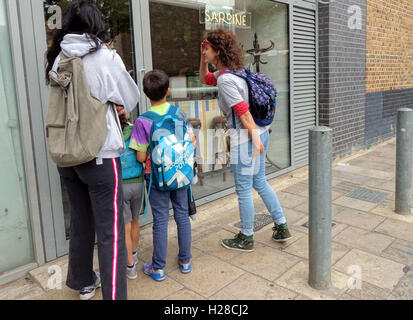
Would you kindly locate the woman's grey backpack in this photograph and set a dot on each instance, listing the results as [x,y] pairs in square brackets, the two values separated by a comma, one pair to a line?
[76,126]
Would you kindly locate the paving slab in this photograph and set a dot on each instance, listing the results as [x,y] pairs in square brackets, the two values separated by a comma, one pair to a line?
[372,165]
[266,262]
[363,239]
[365,172]
[296,279]
[349,177]
[381,272]
[302,225]
[292,215]
[376,156]
[21,289]
[251,287]
[369,292]
[355,203]
[300,248]
[288,200]
[386,209]
[381,184]
[400,251]
[145,288]
[203,231]
[358,219]
[208,276]
[300,189]
[302,297]
[212,245]
[184,295]
[335,209]
[345,187]
[404,289]
[397,229]
[347,297]
[65,294]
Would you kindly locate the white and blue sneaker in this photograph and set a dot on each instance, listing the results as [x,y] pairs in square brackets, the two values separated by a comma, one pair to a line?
[89,292]
[186,267]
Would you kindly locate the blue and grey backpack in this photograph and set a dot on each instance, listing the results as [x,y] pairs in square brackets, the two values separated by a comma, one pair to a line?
[131,168]
[171,151]
[262,95]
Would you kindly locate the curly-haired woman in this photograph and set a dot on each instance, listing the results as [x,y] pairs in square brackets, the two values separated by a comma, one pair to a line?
[249,142]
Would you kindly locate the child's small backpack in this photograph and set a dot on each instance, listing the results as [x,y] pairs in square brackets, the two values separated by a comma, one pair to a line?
[171,151]
[262,95]
[131,167]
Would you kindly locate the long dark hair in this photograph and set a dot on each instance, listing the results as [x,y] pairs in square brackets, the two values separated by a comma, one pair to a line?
[81,17]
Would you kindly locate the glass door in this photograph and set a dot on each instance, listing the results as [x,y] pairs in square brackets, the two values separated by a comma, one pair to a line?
[124,30]
[16,242]
[173,31]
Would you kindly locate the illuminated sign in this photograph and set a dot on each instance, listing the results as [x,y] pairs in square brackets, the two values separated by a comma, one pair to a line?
[225,17]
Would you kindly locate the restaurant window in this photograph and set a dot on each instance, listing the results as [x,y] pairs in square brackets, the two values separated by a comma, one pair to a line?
[177,28]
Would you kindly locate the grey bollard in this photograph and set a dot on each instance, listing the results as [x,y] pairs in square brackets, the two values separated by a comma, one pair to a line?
[404,138]
[320,183]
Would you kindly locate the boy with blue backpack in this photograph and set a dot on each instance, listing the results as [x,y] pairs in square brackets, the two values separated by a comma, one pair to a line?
[166,134]
[133,196]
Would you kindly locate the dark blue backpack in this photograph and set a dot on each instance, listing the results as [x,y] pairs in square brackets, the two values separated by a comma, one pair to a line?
[262,95]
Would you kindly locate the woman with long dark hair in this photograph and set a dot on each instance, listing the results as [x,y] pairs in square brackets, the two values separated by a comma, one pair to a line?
[94,187]
[249,142]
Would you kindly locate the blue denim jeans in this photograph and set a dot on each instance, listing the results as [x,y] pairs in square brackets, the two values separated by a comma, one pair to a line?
[159,201]
[250,174]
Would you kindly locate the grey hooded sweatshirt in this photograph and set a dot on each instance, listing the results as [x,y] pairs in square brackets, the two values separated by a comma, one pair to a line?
[108,80]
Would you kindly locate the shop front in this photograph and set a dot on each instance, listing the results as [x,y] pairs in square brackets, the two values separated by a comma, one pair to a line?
[279,39]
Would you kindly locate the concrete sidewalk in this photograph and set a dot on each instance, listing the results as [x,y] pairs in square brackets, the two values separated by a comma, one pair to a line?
[367,237]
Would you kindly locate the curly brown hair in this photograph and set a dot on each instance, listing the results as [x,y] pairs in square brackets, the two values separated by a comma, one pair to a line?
[231,54]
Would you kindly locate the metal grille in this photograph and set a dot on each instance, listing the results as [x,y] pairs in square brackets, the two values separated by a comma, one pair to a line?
[260,221]
[304,79]
[368,195]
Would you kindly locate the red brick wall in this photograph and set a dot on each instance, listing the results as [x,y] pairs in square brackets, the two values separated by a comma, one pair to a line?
[389,64]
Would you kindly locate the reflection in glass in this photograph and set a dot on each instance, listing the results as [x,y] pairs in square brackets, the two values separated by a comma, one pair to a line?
[177,28]
[16,243]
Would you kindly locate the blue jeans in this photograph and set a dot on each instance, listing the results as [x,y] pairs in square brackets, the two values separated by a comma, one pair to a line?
[159,201]
[250,174]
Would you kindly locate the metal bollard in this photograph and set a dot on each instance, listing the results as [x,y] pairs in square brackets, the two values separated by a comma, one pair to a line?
[404,138]
[320,183]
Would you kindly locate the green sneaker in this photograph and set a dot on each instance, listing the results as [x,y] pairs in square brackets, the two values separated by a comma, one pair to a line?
[239,243]
[281,233]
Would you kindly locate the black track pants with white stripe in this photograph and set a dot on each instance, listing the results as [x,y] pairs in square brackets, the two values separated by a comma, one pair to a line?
[95,193]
